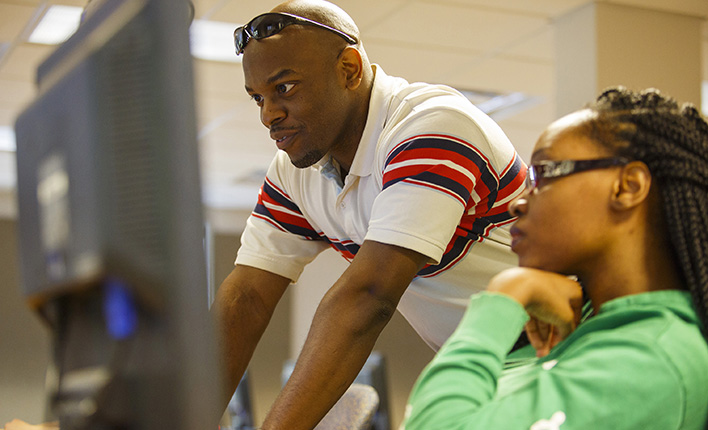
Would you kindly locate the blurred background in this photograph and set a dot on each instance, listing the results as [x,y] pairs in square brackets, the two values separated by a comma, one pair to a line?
[524,62]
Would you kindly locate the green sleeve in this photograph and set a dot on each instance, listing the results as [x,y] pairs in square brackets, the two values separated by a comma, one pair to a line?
[463,375]
[603,379]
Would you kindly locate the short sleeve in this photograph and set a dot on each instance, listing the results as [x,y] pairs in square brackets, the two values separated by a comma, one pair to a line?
[443,183]
[278,238]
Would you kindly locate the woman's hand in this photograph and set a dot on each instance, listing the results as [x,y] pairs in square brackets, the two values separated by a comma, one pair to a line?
[552,301]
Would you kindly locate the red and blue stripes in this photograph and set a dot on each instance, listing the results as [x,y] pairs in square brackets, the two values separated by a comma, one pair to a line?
[454,166]
[275,207]
[442,163]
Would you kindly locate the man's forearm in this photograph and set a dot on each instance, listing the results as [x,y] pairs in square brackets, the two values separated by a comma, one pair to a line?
[243,307]
[239,334]
[347,323]
[340,340]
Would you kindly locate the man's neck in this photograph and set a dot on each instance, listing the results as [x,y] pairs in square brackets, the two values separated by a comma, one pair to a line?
[345,153]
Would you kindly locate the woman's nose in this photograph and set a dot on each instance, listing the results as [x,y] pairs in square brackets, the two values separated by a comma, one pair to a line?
[518,206]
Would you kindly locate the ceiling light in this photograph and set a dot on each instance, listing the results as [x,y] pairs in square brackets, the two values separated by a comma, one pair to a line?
[209,40]
[7,139]
[213,40]
[57,25]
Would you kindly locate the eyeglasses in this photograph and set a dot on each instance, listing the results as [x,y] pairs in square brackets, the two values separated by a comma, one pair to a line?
[557,169]
[271,23]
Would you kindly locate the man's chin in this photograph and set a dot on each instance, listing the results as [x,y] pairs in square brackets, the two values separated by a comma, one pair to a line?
[306,161]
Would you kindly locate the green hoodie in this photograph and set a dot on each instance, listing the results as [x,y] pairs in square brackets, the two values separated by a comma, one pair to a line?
[640,363]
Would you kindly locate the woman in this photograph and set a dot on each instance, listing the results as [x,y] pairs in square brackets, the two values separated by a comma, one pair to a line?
[629,222]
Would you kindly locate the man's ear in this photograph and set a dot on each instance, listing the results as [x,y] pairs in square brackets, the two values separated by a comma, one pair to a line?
[351,67]
[632,186]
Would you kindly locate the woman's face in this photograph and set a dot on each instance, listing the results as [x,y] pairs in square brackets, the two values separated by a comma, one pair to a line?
[563,223]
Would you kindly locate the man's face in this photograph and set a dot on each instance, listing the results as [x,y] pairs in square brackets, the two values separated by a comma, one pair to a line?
[292,76]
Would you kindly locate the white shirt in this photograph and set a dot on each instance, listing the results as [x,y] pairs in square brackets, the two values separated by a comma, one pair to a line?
[432,173]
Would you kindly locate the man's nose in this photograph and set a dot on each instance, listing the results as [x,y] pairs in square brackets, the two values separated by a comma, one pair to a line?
[271,113]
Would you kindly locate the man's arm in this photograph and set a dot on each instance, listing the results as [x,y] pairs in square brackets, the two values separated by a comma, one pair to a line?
[243,307]
[346,325]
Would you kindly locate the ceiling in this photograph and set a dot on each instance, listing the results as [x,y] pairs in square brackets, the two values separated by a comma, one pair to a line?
[501,46]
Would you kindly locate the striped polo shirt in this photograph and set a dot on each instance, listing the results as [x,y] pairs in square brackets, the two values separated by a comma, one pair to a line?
[432,173]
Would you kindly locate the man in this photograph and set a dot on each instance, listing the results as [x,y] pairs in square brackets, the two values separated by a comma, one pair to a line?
[410,183]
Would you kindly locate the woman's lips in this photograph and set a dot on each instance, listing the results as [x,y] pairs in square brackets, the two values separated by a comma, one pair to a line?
[516,237]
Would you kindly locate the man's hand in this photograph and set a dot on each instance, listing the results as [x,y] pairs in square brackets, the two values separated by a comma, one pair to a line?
[552,301]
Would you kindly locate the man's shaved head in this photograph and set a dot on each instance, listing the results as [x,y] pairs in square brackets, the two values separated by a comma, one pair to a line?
[323,12]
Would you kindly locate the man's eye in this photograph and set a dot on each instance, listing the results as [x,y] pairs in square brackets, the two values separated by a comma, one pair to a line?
[284,88]
[257,98]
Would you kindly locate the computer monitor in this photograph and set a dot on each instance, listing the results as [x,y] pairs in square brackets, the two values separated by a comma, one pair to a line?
[111,229]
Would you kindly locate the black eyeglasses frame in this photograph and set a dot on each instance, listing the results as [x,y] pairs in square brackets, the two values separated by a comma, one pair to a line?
[548,169]
[252,30]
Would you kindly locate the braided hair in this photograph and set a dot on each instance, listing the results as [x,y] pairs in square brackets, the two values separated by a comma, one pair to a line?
[672,141]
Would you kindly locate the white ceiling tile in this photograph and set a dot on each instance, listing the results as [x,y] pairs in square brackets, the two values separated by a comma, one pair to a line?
[431,26]
[14,19]
[364,12]
[506,75]
[542,8]
[79,3]
[414,64]
[21,63]
[16,93]
[23,2]
[466,71]
[539,45]
[369,13]
[203,7]
[688,7]
[8,114]
[238,12]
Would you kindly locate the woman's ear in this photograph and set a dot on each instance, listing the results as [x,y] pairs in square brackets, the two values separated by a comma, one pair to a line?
[352,67]
[632,186]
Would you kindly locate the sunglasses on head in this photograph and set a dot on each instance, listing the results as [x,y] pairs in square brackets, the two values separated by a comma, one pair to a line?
[271,23]
[558,169]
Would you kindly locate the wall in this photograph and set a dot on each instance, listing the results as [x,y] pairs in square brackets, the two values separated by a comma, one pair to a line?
[601,45]
[24,341]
